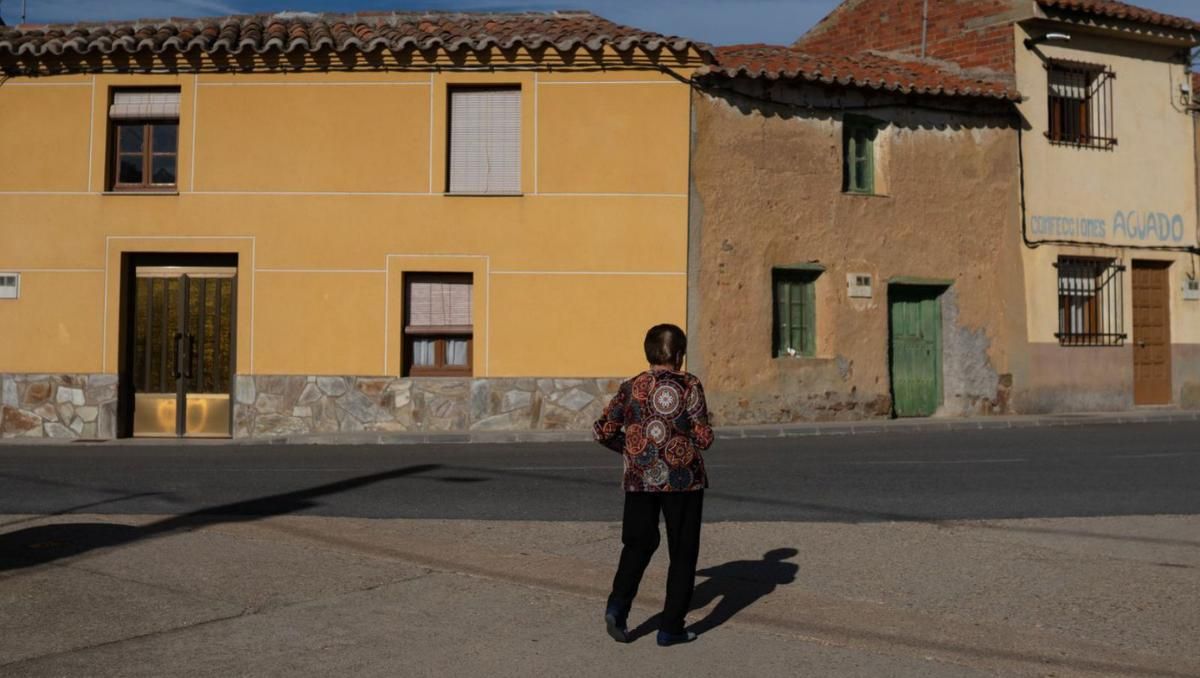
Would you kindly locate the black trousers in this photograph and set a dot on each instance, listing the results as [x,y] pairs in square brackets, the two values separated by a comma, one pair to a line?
[639,533]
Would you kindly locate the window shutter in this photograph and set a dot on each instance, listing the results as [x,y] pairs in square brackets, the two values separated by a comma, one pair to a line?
[485,141]
[144,105]
[436,304]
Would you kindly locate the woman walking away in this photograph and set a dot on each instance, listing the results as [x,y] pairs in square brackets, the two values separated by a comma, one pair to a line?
[659,422]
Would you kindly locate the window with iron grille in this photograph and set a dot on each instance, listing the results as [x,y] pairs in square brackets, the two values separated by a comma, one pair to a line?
[1081,105]
[795,313]
[1091,302]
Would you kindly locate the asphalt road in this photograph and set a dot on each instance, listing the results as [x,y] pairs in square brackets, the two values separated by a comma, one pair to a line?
[1109,470]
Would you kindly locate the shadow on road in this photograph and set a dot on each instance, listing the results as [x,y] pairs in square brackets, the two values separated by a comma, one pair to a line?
[47,543]
[807,511]
[738,583]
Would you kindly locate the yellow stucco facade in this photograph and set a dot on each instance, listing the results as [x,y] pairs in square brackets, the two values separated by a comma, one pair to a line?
[329,187]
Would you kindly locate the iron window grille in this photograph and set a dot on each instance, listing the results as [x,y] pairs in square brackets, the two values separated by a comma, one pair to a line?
[1080,105]
[1091,302]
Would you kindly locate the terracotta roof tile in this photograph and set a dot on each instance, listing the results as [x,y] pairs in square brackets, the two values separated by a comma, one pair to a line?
[1120,10]
[308,32]
[867,70]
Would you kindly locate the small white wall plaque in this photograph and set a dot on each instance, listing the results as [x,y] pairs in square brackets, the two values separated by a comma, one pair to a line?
[1191,289]
[10,285]
[858,285]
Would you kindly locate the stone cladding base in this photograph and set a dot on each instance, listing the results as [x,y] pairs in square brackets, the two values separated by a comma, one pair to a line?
[58,405]
[269,406]
[84,406]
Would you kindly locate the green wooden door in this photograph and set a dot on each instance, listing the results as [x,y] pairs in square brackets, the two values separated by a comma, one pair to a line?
[916,351]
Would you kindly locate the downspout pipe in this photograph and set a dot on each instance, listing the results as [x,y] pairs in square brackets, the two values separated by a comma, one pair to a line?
[924,25]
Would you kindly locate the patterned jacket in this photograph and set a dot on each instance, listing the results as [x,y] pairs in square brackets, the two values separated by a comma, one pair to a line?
[659,422]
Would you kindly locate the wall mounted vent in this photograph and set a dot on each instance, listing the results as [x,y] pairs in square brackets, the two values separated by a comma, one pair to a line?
[10,285]
[858,285]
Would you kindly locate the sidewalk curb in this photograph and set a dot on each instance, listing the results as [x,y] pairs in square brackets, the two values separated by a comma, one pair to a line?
[798,430]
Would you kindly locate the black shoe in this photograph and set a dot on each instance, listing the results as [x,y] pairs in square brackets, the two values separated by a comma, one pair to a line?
[667,639]
[614,622]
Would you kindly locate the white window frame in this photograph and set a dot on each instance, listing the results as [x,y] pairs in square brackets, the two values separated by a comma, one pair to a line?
[483,140]
[13,292]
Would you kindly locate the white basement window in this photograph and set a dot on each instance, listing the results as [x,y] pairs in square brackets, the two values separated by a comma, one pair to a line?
[485,141]
[10,285]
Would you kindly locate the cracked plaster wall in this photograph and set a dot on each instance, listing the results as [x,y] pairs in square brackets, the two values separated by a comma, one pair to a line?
[767,173]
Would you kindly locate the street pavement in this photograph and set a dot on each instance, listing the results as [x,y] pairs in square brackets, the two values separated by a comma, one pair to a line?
[1048,552]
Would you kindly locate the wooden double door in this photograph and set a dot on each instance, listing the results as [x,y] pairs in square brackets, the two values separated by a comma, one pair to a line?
[1151,333]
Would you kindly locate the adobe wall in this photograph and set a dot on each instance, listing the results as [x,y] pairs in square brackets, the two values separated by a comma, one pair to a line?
[766,178]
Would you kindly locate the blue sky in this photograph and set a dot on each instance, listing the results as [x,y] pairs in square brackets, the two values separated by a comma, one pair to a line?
[716,21]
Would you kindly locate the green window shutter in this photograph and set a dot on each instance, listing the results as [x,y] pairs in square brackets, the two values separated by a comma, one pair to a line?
[810,312]
[795,312]
[858,141]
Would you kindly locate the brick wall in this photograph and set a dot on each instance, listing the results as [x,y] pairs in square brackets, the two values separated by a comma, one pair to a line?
[971,33]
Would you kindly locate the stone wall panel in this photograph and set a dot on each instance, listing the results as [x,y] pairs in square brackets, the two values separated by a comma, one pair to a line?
[58,405]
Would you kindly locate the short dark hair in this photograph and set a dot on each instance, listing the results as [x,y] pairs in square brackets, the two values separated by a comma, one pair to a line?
[665,344]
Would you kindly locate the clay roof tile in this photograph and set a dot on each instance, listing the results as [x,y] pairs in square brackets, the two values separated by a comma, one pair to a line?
[306,31]
[867,69]
[1121,10]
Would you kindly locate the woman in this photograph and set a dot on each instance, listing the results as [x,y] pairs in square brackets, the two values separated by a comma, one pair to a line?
[659,422]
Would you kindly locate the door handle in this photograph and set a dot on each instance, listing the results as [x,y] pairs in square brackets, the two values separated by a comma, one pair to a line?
[191,351]
[175,371]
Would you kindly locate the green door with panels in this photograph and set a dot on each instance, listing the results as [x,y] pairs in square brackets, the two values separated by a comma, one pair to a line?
[916,349]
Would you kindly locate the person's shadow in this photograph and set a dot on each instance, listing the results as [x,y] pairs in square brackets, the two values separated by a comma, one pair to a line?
[739,584]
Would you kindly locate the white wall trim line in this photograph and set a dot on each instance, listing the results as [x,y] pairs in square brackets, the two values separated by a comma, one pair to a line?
[558,83]
[315,84]
[48,193]
[535,133]
[91,135]
[637,273]
[322,270]
[315,193]
[383,194]
[195,99]
[47,84]
[51,270]
[613,195]
[430,167]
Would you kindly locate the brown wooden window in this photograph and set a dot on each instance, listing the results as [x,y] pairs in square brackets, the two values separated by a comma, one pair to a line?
[1081,105]
[144,138]
[438,327]
[1090,302]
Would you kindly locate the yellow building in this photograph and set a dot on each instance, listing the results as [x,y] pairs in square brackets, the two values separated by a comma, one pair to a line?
[297,223]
